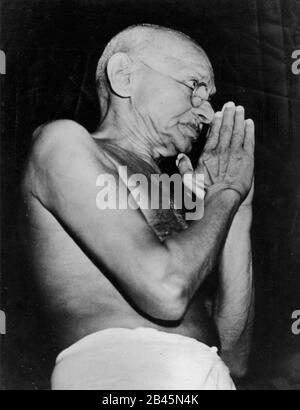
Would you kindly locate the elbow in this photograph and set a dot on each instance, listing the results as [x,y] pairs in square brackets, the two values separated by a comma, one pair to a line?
[166,298]
[171,304]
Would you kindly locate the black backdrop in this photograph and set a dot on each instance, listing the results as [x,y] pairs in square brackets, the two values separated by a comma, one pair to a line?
[52,49]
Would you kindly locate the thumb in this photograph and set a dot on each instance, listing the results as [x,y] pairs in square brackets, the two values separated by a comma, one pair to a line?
[184,164]
[192,182]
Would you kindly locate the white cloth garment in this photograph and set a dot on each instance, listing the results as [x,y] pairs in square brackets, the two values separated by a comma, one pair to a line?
[140,359]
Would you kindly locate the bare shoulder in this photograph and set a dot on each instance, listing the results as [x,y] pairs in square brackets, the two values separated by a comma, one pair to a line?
[61,147]
[57,135]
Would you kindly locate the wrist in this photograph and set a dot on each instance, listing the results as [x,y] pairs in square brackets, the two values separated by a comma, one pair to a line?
[227,191]
[225,195]
[224,187]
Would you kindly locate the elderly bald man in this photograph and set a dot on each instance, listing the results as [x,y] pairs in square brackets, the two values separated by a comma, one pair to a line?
[124,286]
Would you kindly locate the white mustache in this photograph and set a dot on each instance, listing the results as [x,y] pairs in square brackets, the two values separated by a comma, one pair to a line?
[196,125]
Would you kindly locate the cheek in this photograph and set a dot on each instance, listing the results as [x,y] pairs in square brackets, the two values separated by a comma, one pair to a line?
[171,104]
[162,104]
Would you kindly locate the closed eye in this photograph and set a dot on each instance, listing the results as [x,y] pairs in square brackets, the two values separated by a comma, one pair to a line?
[193,84]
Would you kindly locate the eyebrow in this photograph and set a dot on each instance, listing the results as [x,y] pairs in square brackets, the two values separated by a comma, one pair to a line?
[184,72]
[198,76]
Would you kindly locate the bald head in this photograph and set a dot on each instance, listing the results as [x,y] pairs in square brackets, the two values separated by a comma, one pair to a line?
[143,42]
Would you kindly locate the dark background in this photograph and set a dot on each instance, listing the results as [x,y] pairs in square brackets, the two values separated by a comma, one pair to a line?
[52,50]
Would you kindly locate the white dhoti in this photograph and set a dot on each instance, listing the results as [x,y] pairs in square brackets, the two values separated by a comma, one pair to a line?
[140,359]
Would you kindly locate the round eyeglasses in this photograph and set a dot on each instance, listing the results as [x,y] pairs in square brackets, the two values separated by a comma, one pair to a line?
[199,91]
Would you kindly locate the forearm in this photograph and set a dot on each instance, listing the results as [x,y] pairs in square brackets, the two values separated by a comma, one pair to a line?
[234,306]
[196,250]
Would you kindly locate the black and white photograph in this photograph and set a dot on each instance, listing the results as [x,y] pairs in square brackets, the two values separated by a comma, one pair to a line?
[150,197]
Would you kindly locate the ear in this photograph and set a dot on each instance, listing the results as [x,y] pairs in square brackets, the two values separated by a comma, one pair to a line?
[119,72]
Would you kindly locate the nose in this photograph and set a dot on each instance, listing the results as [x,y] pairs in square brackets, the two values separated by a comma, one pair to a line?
[204,110]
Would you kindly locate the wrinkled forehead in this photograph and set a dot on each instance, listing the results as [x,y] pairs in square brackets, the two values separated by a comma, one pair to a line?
[197,67]
[182,59]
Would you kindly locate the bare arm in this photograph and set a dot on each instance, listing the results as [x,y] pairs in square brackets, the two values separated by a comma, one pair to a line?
[160,278]
[234,307]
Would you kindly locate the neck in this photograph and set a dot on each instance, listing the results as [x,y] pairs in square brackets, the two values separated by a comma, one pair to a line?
[122,128]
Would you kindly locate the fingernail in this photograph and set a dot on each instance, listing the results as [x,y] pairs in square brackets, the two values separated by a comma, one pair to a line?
[218,114]
[179,158]
[230,104]
[240,108]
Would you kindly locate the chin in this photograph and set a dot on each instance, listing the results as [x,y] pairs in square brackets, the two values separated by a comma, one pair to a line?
[187,151]
[185,146]
[184,141]
[178,143]
[169,151]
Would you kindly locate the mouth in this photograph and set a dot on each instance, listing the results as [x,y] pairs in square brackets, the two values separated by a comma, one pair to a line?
[191,129]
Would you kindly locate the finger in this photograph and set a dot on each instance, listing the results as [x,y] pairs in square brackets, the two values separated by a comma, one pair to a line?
[249,141]
[193,182]
[213,137]
[227,126]
[207,178]
[184,164]
[202,169]
[239,128]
